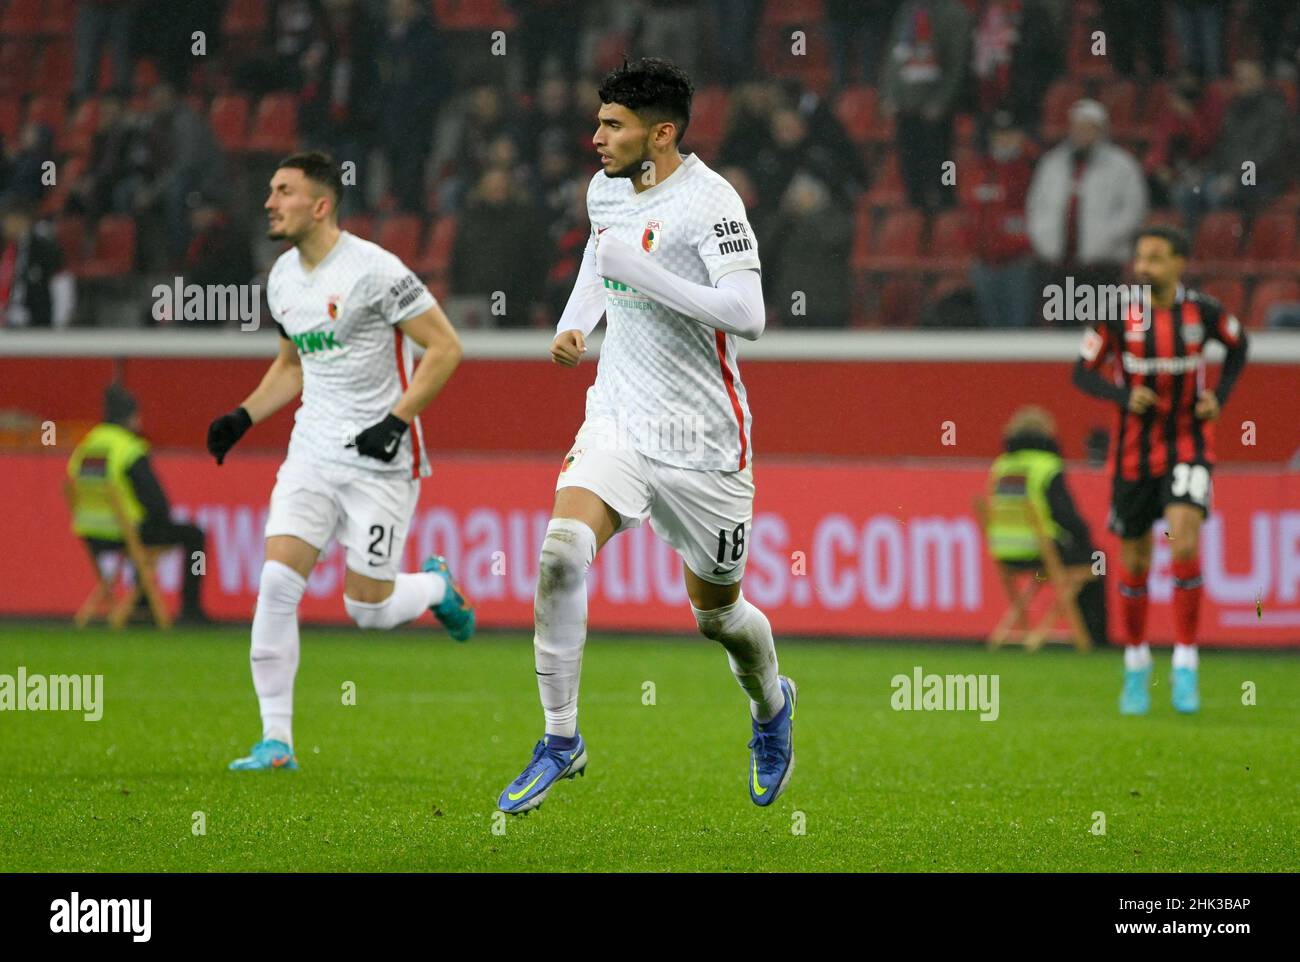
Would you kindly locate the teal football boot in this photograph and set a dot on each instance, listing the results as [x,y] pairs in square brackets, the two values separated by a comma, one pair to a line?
[1136,697]
[268,755]
[454,611]
[1186,697]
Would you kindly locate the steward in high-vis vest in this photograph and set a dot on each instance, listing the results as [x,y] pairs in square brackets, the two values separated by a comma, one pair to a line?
[1031,469]
[114,456]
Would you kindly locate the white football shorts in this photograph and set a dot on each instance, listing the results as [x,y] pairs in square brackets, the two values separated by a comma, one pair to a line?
[704,515]
[369,515]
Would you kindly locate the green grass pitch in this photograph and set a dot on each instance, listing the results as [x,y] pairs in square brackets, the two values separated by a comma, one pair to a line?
[406,779]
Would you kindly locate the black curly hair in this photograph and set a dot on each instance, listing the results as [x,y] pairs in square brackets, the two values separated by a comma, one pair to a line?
[1178,240]
[655,90]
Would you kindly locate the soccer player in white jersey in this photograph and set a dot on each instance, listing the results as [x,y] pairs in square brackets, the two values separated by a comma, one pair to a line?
[673,266]
[347,311]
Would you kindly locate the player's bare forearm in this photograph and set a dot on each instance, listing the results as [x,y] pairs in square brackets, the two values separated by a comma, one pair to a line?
[442,354]
[280,385]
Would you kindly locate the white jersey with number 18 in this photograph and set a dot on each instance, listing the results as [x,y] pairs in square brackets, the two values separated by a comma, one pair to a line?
[356,363]
[666,383]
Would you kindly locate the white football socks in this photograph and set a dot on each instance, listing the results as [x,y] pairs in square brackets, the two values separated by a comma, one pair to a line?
[1137,656]
[412,595]
[560,617]
[274,653]
[746,634]
[1185,656]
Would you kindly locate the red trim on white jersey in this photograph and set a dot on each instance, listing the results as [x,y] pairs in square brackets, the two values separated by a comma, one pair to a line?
[720,339]
[398,337]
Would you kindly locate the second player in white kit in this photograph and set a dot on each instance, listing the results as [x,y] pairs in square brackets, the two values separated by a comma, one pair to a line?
[673,266]
[350,316]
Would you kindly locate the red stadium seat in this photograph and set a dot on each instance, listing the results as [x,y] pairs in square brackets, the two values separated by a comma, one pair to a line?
[16,57]
[897,245]
[362,225]
[145,76]
[793,13]
[70,232]
[22,18]
[964,131]
[887,188]
[708,119]
[435,260]
[1155,103]
[108,78]
[244,17]
[950,247]
[1272,243]
[72,170]
[473,14]
[1278,290]
[861,250]
[900,302]
[400,235]
[80,134]
[1056,107]
[114,250]
[275,126]
[1165,217]
[229,119]
[855,108]
[1217,240]
[1120,98]
[54,72]
[49,110]
[1228,291]
[59,18]
[11,118]
[970,178]
[1287,88]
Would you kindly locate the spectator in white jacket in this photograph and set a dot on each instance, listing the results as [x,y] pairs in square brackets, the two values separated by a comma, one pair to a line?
[1086,201]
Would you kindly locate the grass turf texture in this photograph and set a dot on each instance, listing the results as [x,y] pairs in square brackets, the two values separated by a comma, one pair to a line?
[407,778]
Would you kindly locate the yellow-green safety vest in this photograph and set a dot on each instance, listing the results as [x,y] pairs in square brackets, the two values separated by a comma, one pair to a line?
[1018,477]
[100,462]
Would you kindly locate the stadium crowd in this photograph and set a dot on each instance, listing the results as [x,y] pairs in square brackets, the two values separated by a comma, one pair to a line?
[949,157]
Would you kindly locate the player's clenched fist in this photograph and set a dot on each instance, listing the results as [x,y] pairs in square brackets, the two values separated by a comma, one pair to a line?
[1140,398]
[383,439]
[568,347]
[226,430]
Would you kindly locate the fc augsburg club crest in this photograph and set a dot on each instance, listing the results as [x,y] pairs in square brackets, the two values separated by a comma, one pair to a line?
[650,239]
[333,306]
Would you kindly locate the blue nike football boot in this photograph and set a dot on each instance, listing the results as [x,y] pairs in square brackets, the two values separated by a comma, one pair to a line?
[555,757]
[771,756]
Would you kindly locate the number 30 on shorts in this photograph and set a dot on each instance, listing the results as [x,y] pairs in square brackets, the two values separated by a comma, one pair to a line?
[1191,481]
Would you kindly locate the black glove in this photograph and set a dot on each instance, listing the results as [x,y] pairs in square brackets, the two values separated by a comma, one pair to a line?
[226,430]
[382,440]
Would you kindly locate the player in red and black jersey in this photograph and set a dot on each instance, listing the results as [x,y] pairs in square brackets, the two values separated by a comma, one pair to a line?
[1164,445]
